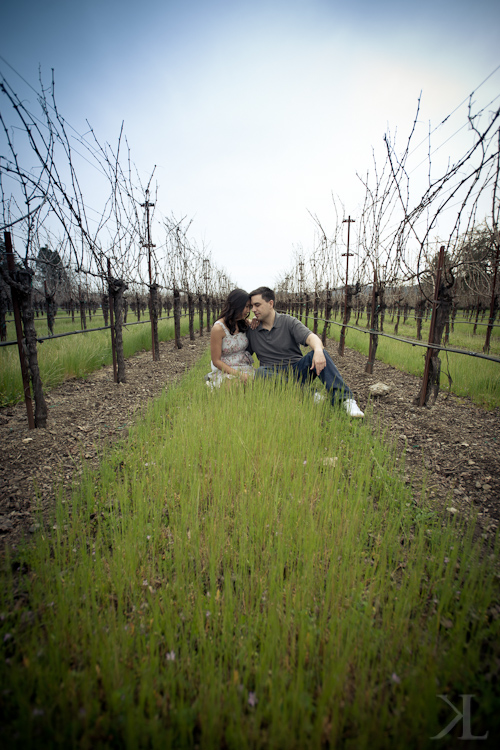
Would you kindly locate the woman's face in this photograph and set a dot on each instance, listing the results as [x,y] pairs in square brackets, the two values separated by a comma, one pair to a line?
[245,312]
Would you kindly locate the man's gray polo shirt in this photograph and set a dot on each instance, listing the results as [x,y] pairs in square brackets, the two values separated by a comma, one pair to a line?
[281,345]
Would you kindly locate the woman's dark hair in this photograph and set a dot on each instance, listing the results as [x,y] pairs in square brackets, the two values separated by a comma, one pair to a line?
[266,293]
[233,307]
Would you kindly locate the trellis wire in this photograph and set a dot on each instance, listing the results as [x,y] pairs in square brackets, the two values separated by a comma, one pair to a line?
[411,341]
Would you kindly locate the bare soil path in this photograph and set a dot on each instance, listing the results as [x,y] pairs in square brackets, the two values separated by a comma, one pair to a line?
[454,443]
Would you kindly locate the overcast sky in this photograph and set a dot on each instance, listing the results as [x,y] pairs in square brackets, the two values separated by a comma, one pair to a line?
[257,111]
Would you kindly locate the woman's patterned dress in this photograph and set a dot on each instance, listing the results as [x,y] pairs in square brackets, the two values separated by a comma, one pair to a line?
[233,354]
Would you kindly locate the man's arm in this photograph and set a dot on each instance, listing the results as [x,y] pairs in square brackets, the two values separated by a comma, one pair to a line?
[319,360]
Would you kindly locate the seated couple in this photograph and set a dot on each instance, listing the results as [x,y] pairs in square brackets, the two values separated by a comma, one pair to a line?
[276,339]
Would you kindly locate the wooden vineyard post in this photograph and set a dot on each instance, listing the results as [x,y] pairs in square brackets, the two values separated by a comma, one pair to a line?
[19,333]
[315,309]
[191,316]
[373,336]
[153,312]
[207,312]
[347,255]
[112,324]
[328,307]
[153,316]
[200,313]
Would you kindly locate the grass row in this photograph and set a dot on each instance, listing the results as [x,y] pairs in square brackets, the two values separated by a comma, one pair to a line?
[75,356]
[462,335]
[249,570]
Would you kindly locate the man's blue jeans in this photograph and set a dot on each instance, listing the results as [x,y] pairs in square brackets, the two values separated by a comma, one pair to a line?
[302,372]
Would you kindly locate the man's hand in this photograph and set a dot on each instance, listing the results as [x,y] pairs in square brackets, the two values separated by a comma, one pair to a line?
[319,361]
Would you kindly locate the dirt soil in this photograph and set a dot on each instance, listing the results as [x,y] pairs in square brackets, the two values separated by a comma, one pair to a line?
[454,443]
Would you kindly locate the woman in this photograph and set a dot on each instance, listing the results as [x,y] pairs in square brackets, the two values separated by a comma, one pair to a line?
[228,341]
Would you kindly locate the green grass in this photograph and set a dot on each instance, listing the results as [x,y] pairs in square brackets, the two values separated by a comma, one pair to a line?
[75,356]
[478,379]
[218,583]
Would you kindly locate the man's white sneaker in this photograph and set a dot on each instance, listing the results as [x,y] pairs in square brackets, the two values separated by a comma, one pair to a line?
[318,397]
[353,409]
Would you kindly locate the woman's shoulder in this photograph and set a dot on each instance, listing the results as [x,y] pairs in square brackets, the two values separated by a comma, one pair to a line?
[221,326]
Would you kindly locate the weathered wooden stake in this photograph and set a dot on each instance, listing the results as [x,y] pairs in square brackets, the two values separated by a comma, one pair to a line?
[112,324]
[373,336]
[19,333]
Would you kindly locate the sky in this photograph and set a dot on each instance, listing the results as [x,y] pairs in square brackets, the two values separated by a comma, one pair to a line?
[256,112]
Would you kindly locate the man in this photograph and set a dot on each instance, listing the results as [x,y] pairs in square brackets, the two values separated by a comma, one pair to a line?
[276,341]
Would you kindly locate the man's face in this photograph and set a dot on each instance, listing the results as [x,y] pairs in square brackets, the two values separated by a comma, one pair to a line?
[260,308]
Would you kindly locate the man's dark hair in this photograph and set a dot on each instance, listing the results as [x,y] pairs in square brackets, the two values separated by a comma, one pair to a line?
[266,293]
[233,307]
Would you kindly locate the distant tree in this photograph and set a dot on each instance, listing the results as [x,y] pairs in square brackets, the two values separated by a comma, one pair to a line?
[475,258]
[50,269]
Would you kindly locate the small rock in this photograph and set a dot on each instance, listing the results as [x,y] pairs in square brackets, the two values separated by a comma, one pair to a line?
[5,524]
[452,510]
[379,389]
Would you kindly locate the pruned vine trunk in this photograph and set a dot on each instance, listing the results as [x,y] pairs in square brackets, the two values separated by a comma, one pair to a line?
[4,307]
[398,318]
[83,319]
[328,307]
[191,316]
[307,301]
[315,311]
[28,318]
[154,321]
[50,307]
[377,291]
[20,282]
[105,308]
[419,315]
[207,311]
[200,313]
[177,318]
[441,307]
[117,288]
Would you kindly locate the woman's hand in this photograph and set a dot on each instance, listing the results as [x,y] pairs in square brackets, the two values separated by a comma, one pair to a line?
[253,324]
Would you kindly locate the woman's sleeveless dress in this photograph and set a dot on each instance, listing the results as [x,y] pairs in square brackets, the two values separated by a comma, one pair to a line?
[233,354]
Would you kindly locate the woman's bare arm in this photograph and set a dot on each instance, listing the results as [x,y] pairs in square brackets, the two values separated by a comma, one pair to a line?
[216,336]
